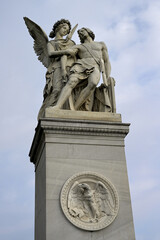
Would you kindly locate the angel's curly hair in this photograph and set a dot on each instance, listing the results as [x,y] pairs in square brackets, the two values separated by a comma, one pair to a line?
[56,27]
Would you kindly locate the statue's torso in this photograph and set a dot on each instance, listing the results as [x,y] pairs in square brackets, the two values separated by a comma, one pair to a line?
[90,50]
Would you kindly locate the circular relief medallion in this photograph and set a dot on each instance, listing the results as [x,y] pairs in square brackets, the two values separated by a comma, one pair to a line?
[89,201]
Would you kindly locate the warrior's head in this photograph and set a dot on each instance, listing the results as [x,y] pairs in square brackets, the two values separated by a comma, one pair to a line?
[84,33]
[62,26]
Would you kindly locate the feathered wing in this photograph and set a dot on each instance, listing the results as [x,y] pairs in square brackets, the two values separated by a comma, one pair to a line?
[75,205]
[104,199]
[40,41]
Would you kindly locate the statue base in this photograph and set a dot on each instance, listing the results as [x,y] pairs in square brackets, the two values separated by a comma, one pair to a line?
[67,144]
[82,115]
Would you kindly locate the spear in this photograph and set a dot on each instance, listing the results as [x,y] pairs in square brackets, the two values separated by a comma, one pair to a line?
[69,36]
[105,90]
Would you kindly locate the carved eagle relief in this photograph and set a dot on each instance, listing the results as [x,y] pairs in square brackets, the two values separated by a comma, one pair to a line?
[90,204]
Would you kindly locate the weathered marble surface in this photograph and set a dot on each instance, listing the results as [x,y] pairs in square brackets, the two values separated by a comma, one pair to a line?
[89,201]
[73,71]
[66,114]
[62,148]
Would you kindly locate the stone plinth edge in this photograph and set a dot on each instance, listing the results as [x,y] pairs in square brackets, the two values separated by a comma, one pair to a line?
[82,115]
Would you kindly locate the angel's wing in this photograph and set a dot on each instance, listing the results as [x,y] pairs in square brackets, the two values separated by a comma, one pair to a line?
[40,41]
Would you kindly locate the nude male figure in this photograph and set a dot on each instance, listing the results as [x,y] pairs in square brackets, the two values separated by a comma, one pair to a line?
[92,59]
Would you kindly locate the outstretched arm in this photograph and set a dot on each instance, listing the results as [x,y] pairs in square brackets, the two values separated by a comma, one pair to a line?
[52,53]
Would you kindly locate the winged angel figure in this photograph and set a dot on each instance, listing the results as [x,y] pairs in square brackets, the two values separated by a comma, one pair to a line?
[51,55]
[89,205]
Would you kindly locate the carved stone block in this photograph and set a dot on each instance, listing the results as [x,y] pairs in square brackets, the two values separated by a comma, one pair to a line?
[89,201]
[82,160]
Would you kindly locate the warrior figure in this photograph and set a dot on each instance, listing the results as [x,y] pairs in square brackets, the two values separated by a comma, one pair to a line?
[92,59]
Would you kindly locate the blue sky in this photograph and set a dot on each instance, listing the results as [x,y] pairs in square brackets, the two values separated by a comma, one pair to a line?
[131,31]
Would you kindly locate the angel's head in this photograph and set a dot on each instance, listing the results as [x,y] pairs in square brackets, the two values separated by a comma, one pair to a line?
[62,26]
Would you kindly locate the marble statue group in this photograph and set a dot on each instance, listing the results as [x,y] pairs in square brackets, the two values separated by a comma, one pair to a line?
[81,181]
[73,70]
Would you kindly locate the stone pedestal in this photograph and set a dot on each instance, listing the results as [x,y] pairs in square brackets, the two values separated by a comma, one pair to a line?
[63,147]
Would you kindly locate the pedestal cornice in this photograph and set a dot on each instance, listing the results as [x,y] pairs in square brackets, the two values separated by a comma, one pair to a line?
[75,127]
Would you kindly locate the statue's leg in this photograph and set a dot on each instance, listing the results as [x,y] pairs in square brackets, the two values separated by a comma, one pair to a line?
[63,68]
[93,80]
[66,91]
